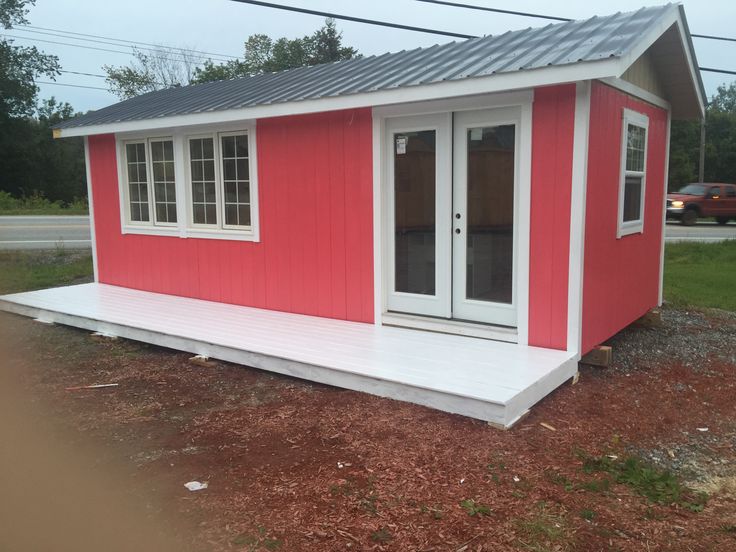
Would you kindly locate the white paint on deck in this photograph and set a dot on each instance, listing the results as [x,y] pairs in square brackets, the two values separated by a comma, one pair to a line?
[489,380]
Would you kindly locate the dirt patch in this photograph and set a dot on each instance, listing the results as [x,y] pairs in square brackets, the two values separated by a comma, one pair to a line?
[298,466]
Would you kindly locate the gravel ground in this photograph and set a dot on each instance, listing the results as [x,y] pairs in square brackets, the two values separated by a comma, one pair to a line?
[692,338]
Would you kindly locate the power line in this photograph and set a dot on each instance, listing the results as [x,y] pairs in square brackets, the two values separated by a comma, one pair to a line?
[159,49]
[354,19]
[713,37]
[85,74]
[542,16]
[496,10]
[126,41]
[711,70]
[84,46]
[72,85]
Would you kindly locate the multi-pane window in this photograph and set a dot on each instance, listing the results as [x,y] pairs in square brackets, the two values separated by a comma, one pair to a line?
[204,184]
[164,185]
[236,179]
[219,192]
[219,168]
[137,172]
[633,173]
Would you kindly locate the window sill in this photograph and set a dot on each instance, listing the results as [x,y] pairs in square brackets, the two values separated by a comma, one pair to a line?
[637,228]
[151,230]
[175,232]
[237,235]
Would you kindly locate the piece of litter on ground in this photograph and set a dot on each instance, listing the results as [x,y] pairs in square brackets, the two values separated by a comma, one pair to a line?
[462,481]
[341,465]
[516,479]
[612,456]
[104,334]
[547,426]
[95,386]
[703,429]
[196,485]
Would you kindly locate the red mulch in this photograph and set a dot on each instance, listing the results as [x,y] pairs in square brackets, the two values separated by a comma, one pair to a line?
[298,466]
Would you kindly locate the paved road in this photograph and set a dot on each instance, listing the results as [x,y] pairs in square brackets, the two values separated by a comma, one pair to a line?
[44,232]
[701,232]
[73,232]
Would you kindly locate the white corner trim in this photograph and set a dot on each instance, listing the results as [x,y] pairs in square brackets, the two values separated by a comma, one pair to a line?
[91,203]
[631,117]
[378,285]
[660,295]
[577,218]
[524,224]
[636,91]
[501,82]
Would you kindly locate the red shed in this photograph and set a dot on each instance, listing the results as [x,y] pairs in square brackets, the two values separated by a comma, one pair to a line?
[453,226]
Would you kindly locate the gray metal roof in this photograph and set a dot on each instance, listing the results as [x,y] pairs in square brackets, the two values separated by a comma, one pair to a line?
[557,44]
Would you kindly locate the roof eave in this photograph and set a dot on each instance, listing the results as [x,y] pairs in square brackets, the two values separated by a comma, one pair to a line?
[501,82]
[675,16]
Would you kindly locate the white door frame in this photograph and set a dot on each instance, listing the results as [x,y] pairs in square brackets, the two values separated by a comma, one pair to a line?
[439,303]
[523,99]
[462,307]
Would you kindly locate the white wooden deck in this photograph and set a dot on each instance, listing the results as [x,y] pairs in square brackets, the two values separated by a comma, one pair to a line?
[489,380]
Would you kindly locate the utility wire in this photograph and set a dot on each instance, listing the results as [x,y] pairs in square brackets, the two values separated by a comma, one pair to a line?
[85,74]
[159,49]
[84,46]
[125,40]
[541,16]
[496,10]
[354,19]
[72,85]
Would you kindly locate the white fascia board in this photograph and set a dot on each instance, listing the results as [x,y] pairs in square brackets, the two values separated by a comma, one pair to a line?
[516,80]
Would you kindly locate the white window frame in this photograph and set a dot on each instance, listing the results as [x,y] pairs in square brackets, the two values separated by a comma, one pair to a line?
[152,188]
[151,226]
[185,227]
[626,228]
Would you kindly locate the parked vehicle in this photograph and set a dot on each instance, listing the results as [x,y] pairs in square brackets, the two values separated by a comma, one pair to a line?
[703,200]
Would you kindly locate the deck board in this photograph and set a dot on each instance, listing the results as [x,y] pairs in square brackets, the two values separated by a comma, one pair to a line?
[419,366]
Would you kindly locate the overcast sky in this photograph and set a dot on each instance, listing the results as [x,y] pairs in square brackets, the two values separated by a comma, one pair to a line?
[221,26]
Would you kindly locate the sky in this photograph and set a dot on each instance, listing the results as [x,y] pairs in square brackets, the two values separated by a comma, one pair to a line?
[221,26]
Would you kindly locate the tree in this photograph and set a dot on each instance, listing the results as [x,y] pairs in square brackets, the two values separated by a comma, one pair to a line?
[263,55]
[161,68]
[20,65]
[720,143]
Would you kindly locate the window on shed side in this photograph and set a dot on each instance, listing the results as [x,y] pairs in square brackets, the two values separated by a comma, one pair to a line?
[204,184]
[633,173]
[236,179]
[164,185]
[137,173]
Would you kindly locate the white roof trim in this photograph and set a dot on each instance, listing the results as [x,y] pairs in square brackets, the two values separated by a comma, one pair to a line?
[517,80]
[675,16]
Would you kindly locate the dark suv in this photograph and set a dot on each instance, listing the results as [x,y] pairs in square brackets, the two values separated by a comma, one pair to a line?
[703,200]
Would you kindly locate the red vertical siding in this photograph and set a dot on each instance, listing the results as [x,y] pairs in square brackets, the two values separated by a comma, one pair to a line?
[316,203]
[552,141]
[621,276]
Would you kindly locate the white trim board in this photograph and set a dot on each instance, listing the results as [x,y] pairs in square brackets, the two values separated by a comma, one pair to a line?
[577,217]
[90,201]
[664,208]
[502,82]
[489,380]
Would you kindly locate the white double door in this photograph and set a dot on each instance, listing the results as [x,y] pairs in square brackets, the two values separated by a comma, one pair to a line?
[451,199]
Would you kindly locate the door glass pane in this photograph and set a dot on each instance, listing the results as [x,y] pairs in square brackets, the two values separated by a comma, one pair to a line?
[414,189]
[490,213]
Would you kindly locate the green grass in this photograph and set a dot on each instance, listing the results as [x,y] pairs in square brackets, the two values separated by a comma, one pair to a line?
[38,205]
[657,485]
[701,274]
[28,270]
